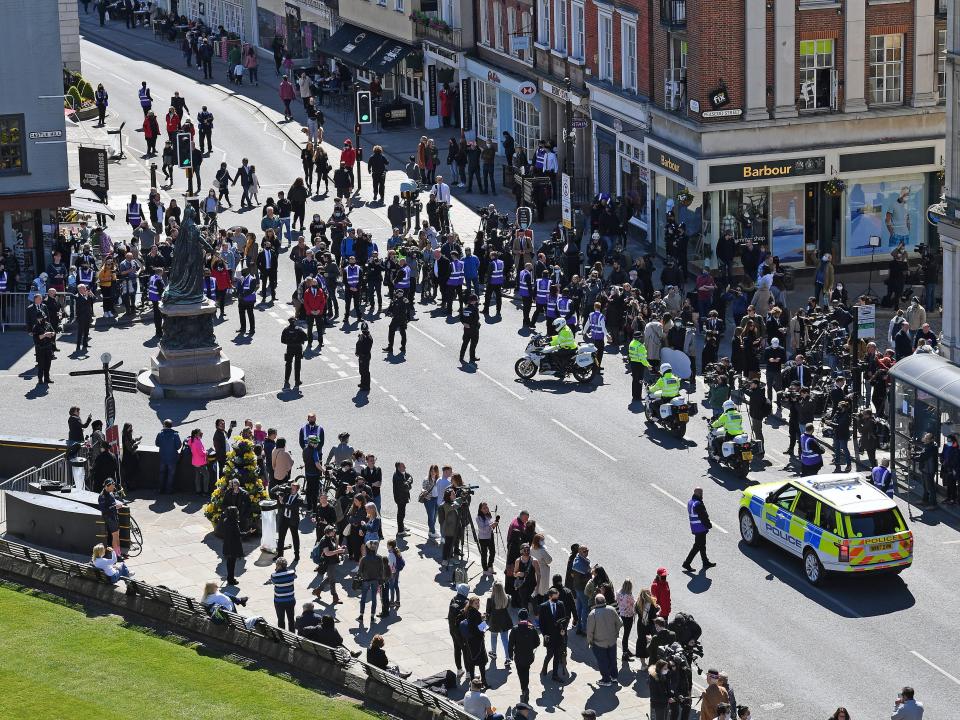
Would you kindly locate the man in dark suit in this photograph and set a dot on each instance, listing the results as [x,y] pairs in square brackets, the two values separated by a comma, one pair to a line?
[267,267]
[903,342]
[554,619]
[799,374]
[288,518]
[83,307]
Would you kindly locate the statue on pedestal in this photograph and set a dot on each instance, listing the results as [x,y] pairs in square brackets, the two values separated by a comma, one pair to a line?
[186,272]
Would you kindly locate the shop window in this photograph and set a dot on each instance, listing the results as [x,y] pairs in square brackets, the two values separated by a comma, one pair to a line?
[398,5]
[633,188]
[13,150]
[577,24]
[817,75]
[498,25]
[486,111]
[886,69]
[941,65]
[23,224]
[744,213]
[526,126]
[893,209]
[787,226]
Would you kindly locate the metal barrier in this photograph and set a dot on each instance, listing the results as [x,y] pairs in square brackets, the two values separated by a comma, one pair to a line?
[56,469]
[13,310]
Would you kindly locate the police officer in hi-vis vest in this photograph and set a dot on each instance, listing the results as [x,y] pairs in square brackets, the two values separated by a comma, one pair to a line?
[699,525]
[246,299]
[155,288]
[496,276]
[595,330]
[542,295]
[352,289]
[526,291]
[454,287]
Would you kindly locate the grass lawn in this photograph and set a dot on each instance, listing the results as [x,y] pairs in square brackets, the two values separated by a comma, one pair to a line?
[55,662]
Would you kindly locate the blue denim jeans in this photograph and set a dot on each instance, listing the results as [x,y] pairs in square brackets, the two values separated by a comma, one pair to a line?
[583,607]
[431,507]
[606,661]
[472,285]
[504,641]
[167,472]
[840,448]
[393,587]
[370,587]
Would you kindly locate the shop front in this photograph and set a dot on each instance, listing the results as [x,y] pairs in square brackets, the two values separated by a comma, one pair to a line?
[304,26]
[619,126]
[449,90]
[28,230]
[505,103]
[854,203]
[234,15]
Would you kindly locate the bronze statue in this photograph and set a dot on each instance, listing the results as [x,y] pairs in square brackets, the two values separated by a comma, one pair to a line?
[186,272]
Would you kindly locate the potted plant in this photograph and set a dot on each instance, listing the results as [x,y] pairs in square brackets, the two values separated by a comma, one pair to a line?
[685,197]
[241,465]
[440,25]
[834,187]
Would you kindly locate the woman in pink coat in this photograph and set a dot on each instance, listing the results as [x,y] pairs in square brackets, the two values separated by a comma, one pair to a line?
[287,93]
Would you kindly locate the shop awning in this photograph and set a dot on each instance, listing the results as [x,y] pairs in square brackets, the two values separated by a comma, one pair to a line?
[930,373]
[353,45]
[86,201]
[387,56]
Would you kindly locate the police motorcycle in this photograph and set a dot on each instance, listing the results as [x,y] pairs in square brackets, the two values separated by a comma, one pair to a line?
[541,356]
[735,453]
[672,414]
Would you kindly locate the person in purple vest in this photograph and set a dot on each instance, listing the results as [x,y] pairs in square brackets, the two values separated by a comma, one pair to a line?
[699,525]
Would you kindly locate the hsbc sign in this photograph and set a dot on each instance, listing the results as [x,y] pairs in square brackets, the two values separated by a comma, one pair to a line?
[502,79]
[527,89]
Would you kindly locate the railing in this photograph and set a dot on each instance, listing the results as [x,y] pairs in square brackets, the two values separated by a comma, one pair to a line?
[13,310]
[674,88]
[450,36]
[673,14]
[245,632]
[56,469]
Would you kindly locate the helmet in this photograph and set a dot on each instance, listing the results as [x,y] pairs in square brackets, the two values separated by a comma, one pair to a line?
[729,405]
[559,323]
[665,368]
[596,235]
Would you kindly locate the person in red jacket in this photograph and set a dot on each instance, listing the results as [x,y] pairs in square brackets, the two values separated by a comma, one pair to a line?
[314,307]
[348,156]
[173,123]
[221,276]
[287,95]
[661,591]
[151,130]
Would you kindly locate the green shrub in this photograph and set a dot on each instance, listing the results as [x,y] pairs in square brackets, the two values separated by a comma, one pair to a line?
[74,93]
[86,90]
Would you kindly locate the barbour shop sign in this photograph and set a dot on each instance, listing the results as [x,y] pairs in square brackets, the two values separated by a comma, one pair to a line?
[770,169]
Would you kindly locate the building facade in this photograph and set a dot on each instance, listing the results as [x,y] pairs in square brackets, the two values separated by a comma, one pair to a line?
[69,35]
[34,179]
[810,125]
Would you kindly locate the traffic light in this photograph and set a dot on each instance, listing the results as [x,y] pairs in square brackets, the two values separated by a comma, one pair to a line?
[364,107]
[184,150]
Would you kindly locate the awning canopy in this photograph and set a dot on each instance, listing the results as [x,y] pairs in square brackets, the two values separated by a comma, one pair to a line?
[387,56]
[931,373]
[87,201]
[353,45]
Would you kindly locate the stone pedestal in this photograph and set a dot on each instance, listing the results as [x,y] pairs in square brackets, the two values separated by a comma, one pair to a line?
[189,363]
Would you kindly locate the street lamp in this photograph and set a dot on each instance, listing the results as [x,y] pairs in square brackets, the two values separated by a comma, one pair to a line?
[106,358]
[570,144]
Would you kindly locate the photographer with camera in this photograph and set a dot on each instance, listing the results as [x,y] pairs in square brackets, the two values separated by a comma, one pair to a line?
[289,505]
[840,421]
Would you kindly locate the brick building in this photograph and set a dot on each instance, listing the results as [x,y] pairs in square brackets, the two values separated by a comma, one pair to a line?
[756,105]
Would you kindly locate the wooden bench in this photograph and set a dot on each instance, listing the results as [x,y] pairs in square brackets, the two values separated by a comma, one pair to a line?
[338,656]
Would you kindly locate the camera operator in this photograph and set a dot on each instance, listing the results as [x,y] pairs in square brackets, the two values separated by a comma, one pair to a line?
[759,407]
[790,398]
[866,427]
[289,504]
[718,384]
[840,421]
[448,515]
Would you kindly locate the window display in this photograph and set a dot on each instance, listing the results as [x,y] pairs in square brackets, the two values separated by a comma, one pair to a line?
[787,222]
[744,212]
[892,209]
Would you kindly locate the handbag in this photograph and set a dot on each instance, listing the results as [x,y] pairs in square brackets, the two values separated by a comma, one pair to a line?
[356,583]
[348,530]
[424,496]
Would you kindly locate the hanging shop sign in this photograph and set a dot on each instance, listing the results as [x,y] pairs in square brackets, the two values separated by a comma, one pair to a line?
[790,167]
[719,97]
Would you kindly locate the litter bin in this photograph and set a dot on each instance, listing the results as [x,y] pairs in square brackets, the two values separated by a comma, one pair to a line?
[78,472]
[268,526]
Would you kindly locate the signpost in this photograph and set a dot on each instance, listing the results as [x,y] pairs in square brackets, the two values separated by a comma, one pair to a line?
[524,217]
[566,206]
[866,321]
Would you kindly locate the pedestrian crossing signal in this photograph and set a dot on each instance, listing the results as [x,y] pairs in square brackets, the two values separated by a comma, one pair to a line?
[364,107]
[184,150]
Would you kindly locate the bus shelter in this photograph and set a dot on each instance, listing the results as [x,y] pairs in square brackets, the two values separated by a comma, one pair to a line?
[925,397]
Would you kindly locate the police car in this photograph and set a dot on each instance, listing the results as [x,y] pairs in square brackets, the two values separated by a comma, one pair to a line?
[836,523]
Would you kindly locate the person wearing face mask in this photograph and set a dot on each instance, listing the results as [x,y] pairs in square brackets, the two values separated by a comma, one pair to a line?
[713,696]
[662,698]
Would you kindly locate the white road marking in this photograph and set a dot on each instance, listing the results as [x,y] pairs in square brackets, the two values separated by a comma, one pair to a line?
[497,490]
[938,669]
[92,64]
[583,439]
[403,407]
[414,417]
[332,366]
[510,502]
[437,437]
[500,384]
[681,503]
[282,322]
[767,707]
[950,542]
[552,539]
[428,337]
[341,373]
[448,446]
[472,467]
[459,456]
[122,79]
[394,398]
[274,392]
[485,478]
[384,389]
[425,426]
